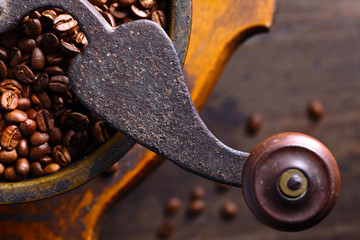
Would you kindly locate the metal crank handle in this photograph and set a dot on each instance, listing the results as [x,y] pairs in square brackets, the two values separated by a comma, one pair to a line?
[130,77]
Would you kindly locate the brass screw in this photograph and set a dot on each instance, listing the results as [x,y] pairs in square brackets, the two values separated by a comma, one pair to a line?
[293,183]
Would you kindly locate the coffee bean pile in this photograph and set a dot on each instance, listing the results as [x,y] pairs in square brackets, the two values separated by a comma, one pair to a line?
[43,126]
[117,12]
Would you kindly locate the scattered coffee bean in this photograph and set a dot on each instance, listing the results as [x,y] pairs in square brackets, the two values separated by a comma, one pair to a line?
[147,3]
[3,70]
[254,123]
[50,43]
[229,209]
[173,205]
[2,169]
[26,44]
[14,57]
[59,84]
[196,207]
[69,49]
[24,104]
[98,3]
[316,109]
[36,153]
[11,85]
[197,192]
[45,160]
[166,229]
[45,120]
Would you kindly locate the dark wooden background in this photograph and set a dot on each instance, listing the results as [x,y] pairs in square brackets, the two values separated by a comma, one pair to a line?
[313,52]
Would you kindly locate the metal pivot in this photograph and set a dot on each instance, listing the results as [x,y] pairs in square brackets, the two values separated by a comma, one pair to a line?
[130,76]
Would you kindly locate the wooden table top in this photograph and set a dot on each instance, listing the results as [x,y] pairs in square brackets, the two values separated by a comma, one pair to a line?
[313,52]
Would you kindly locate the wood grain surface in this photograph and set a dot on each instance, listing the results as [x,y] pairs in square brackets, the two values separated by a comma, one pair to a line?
[313,52]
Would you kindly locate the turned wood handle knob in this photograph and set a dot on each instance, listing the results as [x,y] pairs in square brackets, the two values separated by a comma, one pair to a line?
[290,181]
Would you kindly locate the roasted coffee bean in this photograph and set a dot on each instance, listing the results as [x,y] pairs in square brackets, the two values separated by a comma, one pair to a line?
[8,156]
[61,155]
[39,151]
[32,113]
[80,140]
[23,148]
[36,169]
[10,137]
[316,109]
[2,169]
[9,100]
[28,127]
[254,123]
[25,59]
[26,91]
[26,44]
[80,39]
[22,167]
[12,85]
[197,192]
[54,59]
[3,54]
[49,14]
[125,3]
[16,116]
[3,125]
[118,12]
[49,43]
[9,39]
[41,101]
[45,120]
[14,57]
[59,84]
[45,160]
[24,104]
[140,13]
[159,17]
[11,175]
[77,121]
[41,82]
[37,59]
[24,74]
[33,28]
[3,70]
[147,3]
[64,22]
[51,168]
[68,135]
[229,209]
[173,205]
[98,2]
[38,138]
[166,230]
[35,14]
[69,49]
[196,207]
[109,18]
[58,102]
[54,70]
[100,131]
[74,153]
[55,135]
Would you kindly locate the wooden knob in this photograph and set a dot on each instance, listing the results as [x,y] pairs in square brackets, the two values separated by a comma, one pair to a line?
[290,181]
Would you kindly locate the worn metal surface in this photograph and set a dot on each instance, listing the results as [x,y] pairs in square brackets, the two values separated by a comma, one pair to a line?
[82,171]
